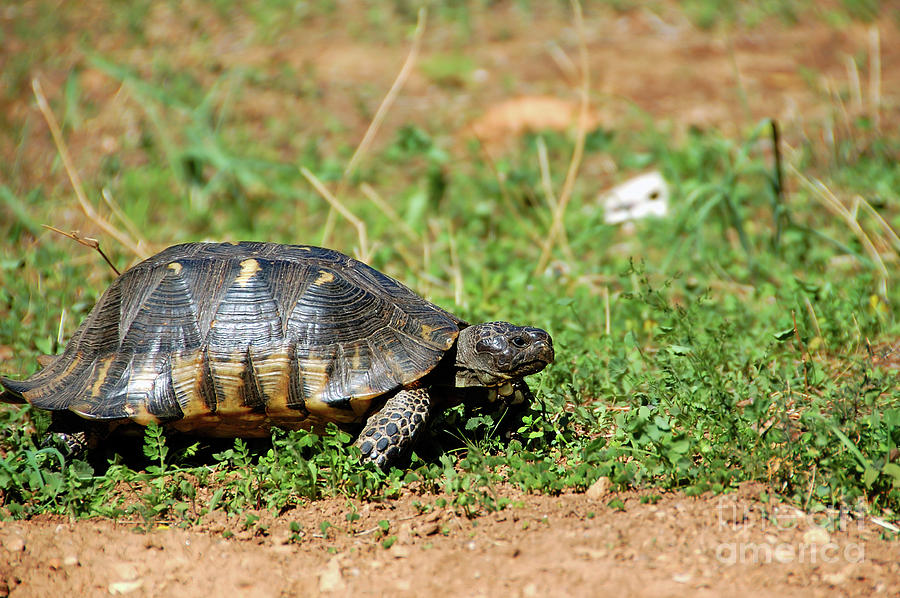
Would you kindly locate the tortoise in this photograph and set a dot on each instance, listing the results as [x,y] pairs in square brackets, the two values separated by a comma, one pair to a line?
[229,340]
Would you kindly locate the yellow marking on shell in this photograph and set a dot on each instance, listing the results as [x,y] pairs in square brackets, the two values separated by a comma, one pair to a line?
[174,267]
[427,331]
[324,277]
[249,267]
[85,410]
[187,378]
[138,413]
[314,378]
[140,384]
[101,369]
[142,379]
[357,359]
[74,363]
[45,360]
[360,407]
[250,425]
[253,425]
[227,371]
[273,375]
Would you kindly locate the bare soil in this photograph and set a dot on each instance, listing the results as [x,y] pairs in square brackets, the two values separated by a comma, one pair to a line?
[569,545]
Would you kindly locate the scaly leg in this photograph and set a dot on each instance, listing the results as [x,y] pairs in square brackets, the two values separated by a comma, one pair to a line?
[77,435]
[390,431]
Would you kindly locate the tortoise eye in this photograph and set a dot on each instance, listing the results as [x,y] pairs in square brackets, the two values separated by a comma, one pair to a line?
[518,341]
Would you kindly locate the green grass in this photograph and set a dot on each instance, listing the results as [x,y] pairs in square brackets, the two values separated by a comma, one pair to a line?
[736,345]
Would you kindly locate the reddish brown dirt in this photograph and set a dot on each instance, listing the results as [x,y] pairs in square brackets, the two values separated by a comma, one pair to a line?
[569,545]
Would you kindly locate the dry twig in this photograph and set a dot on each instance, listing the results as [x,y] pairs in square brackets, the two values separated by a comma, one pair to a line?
[86,241]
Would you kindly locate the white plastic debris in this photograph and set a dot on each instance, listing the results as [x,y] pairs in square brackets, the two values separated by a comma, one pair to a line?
[640,197]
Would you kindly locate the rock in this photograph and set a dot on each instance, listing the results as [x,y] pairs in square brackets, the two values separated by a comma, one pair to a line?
[124,587]
[14,544]
[125,571]
[428,529]
[839,577]
[681,577]
[404,534]
[399,551]
[599,488]
[816,535]
[330,579]
[590,553]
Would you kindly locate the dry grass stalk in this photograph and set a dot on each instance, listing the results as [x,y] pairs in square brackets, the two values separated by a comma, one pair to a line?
[364,145]
[552,203]
[606,320]
[546,181]
[875,76]
[390,97]
[855,85]
[75,179]
[455,270]
[390,212]
[61,329]
[575,163]
[885,227]
[563,62]
[835,206]
[123,218]
[812,316]
[504,195]
[363,252]
[328,227]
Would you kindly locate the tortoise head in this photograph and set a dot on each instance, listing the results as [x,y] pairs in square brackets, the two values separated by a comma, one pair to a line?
[499,354]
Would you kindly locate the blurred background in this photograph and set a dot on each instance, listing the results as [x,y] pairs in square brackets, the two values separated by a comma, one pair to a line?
[471,150]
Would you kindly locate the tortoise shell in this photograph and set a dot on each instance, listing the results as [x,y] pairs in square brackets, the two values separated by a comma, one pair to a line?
[230,339]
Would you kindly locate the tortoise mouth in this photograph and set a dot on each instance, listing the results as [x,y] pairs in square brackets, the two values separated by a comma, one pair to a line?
[533,367]
[511,393]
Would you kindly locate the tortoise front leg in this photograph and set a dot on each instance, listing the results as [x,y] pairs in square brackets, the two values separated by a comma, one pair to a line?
[77,435]
[390,431]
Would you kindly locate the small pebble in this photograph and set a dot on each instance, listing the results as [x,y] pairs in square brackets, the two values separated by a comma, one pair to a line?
[124,587]
[14,544]
[816,535]
[599,488]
